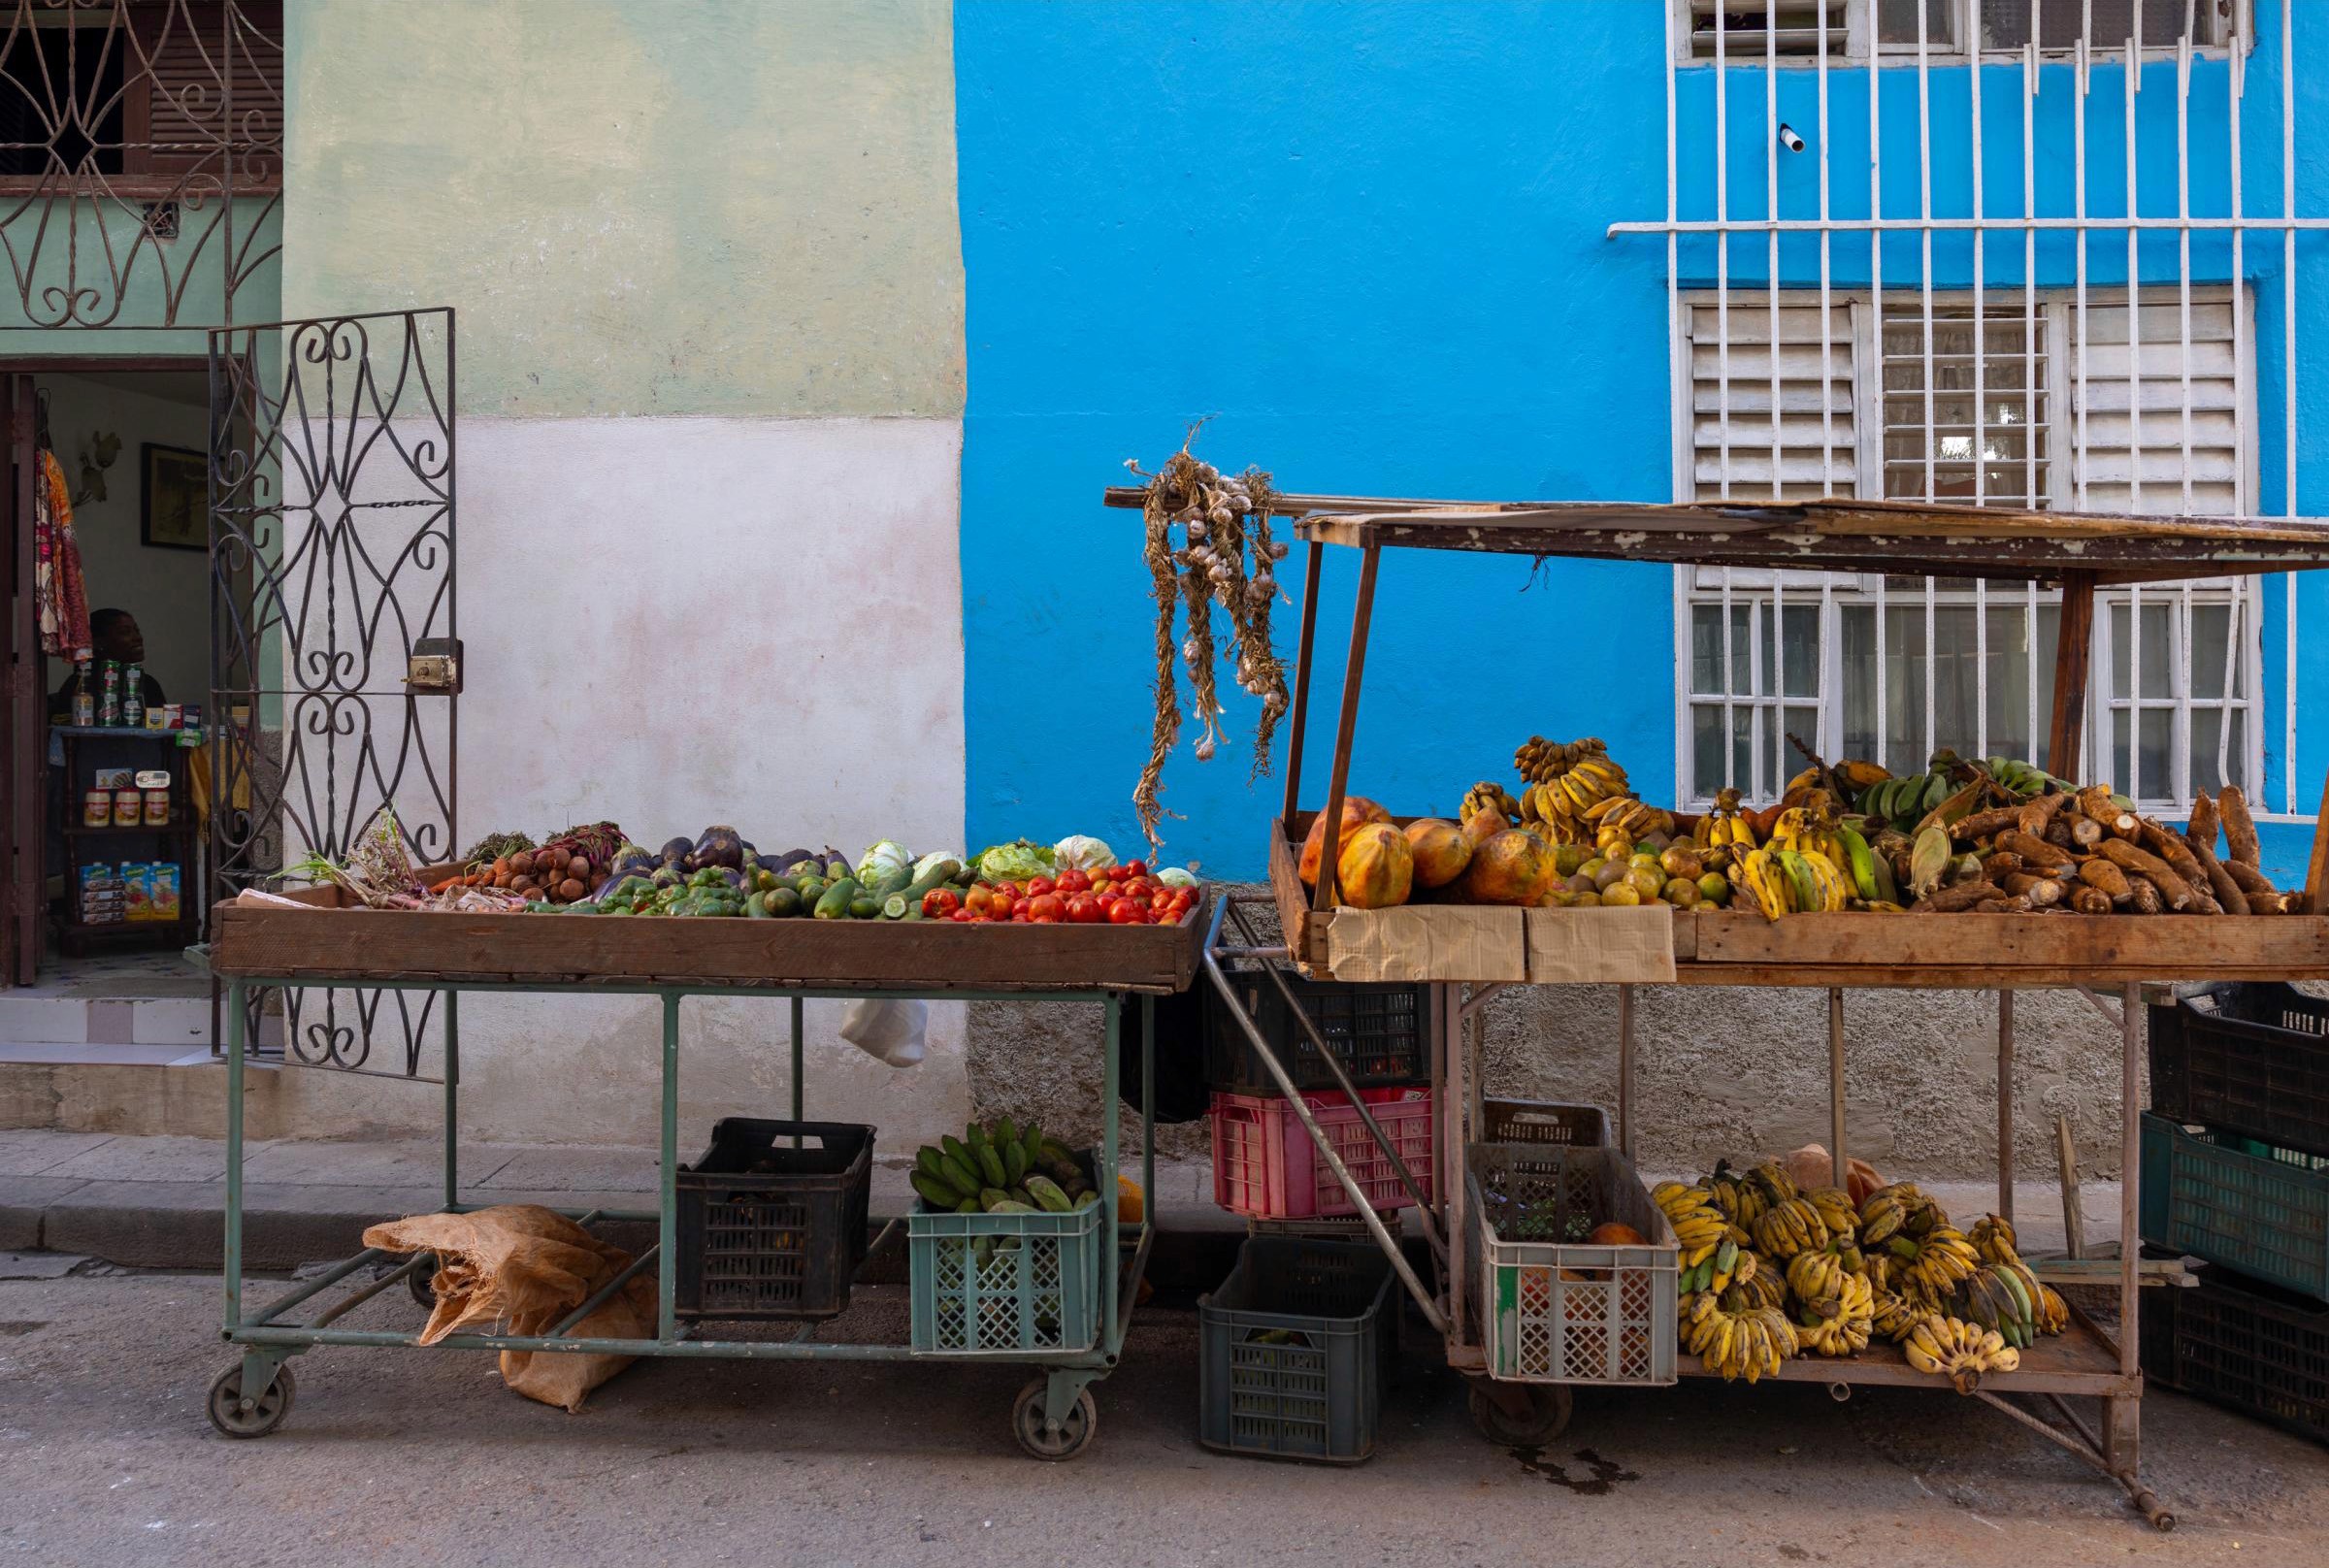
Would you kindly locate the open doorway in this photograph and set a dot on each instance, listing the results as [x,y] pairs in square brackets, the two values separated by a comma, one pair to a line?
[119,771]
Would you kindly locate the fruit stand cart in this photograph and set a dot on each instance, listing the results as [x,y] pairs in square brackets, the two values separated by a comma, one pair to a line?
[326,944]
[1468,952]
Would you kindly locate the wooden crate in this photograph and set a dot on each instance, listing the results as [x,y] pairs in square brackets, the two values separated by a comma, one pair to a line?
[329,941]
[1723,947]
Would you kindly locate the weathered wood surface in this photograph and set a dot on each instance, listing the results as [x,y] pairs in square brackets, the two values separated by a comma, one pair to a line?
[378,945]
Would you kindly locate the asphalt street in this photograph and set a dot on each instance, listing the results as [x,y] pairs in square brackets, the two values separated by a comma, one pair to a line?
[399,1458]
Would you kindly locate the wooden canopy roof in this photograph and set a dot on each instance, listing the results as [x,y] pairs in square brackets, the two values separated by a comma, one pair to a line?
[1910,537]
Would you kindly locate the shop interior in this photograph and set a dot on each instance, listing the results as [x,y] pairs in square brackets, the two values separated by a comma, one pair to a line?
[123,776]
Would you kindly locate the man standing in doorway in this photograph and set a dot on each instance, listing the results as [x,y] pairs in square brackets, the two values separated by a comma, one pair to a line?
[112,635]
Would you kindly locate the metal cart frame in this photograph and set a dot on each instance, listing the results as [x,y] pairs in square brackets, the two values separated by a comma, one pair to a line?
[1053,1417]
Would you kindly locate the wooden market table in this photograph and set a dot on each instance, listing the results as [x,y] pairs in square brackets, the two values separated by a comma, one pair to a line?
[327,943]
[1468,954]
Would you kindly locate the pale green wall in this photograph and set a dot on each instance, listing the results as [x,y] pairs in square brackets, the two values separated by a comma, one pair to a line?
[76,246]
[729,207]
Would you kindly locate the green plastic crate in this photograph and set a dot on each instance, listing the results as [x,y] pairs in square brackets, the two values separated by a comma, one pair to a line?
[1004,1284]
[2255,1209]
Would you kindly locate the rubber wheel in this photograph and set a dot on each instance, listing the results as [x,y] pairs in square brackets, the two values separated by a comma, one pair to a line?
[418,1282]
[1549,1407]
[1075,1434]
[265,1413]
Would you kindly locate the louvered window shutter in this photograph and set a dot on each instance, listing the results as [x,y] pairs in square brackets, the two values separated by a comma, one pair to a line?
[2111,464]
[1811,455]
[192,60]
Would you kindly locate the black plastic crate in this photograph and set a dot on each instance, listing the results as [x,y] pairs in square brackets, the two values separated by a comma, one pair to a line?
[1295,1348]
[2250,1058]
[1381,1032]
[771,1230]
[2236,1341]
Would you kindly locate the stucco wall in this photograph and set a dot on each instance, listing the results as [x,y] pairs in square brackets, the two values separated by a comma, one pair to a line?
[693,206]
[704,259]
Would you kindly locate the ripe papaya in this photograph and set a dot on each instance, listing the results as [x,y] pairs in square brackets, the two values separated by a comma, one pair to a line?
[1375,868]
[1441,851]
[1510,867]
[1357,811]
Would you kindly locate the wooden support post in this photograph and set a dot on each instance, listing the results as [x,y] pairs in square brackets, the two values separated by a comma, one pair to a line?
[1625,1071]
[1346,728]
[2005,1105]
[2074,640]
[1299,719]
[2074,1216]
[1839,1168]
[2122,1432]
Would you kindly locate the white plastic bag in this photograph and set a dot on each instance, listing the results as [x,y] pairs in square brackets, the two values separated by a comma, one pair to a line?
[887,1032]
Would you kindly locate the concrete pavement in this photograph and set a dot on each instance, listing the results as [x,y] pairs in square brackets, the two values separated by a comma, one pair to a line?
[399,1458]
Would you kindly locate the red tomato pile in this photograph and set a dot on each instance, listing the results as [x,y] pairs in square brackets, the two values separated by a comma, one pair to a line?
[1121,896]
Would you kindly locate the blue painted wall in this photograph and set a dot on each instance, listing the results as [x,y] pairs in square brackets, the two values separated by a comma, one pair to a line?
[1370,240]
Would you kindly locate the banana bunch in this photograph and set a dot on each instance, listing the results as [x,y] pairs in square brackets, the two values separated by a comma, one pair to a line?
[1781,882]
[1791,1226]
[1489,795]
[1564,781]
[1893,1314]
[1994,1240]
[1889,1210]
[1734,1339]
[1621,821]
[2004,1297]
[1951,1347]
[1817,1275]
[1741,1198]
[1698,1225]
[1834,1207]
[1724,825]
[1939,1260]
[1902,802]
[1810,828]
[2026,780]
[1730,1264]
[1840,1322]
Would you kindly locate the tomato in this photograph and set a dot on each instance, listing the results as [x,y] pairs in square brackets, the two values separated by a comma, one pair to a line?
[1045,905]
[938,904]
[1083,909]
[961,917]
[1104,888]
[978,898]
[1020,917]
[1001,904]
[1133,868]
[1073,880]
[1037,886]
[1161,904]
[1125,912]
[1139,887]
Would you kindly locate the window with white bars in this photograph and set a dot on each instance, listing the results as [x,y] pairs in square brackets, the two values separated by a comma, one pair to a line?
[1747,30]
[1990,401]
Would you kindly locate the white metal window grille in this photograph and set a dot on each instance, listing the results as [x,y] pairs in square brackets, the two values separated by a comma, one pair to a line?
[1893,667]
[1736,28]
[2076,398]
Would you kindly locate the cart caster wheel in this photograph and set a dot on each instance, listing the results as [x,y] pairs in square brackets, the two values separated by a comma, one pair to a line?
[1548,1416]
[234,1417]
[417,1283]
[1075,1434]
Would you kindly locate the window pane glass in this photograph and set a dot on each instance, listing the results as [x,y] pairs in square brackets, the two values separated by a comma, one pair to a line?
[1803,724]
[1896,23]
[2008,704]
[1742,751]
[1706,749]
[2006,23]
[2213,652]
[2155,781]
[1856,627]
[1901,745]
[1977,432]
[1802,650]
[2207,727]
[1954,679]
[2158,650]
[1706,648]
[2119,753]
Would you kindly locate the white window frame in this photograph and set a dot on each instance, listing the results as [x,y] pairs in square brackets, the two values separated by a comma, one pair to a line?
[1859,39]
[1700,586]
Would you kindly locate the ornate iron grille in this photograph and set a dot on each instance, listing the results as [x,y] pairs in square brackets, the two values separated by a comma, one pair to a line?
[141,158]
[332,510]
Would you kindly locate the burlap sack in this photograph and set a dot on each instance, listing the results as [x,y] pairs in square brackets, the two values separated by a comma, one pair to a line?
[520,1268]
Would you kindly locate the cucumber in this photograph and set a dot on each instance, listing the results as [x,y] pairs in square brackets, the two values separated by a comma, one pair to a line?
[757,906]
[783,902]
[834,904]
[863,906]
[888,882]
[937,876]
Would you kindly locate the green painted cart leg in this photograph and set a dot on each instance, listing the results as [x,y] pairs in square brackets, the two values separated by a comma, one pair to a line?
[667,1234]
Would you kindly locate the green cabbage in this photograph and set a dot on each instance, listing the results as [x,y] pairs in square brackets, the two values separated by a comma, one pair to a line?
[1173,876]
[922,867]
[1014,862]
[883,859]
[1081,852]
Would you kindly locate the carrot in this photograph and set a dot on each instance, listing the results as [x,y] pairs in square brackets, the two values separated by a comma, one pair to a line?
[440,887]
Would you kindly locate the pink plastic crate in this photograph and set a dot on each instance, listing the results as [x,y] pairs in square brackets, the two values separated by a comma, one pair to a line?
[1266,1165]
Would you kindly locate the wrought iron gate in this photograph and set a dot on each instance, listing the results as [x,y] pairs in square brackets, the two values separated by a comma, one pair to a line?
[335,652]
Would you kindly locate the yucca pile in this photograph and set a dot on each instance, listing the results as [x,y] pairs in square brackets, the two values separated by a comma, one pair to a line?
[1770,1271]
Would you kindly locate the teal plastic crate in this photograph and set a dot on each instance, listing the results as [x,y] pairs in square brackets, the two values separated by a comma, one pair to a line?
[1004,1284]
[2260,1211]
